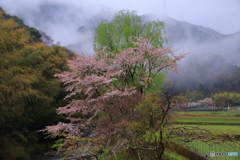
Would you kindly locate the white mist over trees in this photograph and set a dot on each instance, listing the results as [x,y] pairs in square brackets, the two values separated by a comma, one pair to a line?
[73,23]
[100,120]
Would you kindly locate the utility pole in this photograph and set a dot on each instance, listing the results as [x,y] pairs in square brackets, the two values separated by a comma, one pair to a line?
[228,94]
[165,7]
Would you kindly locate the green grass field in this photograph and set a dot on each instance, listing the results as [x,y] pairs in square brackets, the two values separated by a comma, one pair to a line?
[217,122]
[204,149]
[231,112]
[230,117]
[232,129]
[208,120]
[168,154]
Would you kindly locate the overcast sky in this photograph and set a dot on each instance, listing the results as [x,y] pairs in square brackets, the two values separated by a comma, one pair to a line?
[220,15]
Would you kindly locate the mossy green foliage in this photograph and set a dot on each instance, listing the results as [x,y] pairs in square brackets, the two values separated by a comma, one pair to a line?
[171,155]
[157,84]
[225,99]
[29,92]
[123,30]
[150,114]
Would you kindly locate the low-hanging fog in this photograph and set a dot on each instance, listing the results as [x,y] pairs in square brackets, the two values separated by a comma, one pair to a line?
[72,24]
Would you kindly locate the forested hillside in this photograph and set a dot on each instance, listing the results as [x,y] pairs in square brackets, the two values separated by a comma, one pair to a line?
[211,54]
[209,72]
[29,92]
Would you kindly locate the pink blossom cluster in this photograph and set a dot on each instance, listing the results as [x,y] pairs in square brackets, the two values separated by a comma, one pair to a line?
[207,102]
[111,75]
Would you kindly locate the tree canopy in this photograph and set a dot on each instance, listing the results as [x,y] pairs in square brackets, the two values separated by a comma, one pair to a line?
[29,92]
[129,58]
[112,88]
[124,29]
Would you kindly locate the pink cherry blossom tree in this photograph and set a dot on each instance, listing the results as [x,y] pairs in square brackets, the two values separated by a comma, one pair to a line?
[110,84]
[207,102]
[140,65]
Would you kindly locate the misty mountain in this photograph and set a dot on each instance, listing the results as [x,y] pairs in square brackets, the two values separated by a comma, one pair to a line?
[198,69]
[199,40]
[184,37]
[73,26]
[178,31]
[210,52]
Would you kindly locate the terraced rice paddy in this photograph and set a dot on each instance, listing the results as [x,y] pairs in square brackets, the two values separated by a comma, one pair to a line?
[221,122]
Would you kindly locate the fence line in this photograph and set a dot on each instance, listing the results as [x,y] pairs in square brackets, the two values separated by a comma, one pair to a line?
[184,151]
[203,150]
